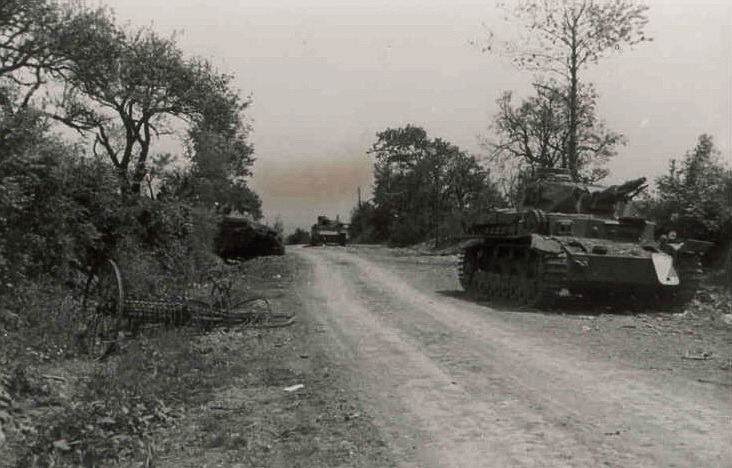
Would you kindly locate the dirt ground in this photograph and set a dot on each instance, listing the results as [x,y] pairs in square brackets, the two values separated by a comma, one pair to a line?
[389,364]
[292,407]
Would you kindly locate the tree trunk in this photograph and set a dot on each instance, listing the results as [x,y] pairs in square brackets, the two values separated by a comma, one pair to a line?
[572,156]
[728,267]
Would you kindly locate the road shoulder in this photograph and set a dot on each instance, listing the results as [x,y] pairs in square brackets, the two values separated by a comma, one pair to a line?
[289,407]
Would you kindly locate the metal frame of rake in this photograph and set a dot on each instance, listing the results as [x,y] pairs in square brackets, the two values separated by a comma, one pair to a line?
[110,315]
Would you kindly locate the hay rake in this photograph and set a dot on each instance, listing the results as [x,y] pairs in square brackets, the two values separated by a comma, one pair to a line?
[110,315]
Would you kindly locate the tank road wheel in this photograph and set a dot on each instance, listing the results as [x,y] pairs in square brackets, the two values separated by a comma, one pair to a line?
[102,305]
[467,267]
[511,282]
[545,278]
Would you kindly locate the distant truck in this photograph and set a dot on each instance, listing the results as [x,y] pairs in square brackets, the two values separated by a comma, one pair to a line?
[327,231]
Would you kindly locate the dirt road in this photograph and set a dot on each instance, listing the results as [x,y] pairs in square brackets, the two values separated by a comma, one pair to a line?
[456,383]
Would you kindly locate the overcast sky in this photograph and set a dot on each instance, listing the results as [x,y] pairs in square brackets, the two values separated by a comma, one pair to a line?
[327,75]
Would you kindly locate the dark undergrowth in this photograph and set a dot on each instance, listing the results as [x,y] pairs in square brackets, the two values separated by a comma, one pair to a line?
[68,410]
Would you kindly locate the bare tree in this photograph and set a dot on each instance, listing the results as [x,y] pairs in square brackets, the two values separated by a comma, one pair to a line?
[563,37]
[535,133]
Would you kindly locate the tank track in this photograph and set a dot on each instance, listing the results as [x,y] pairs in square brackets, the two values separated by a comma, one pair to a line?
[529,280]
[552,277]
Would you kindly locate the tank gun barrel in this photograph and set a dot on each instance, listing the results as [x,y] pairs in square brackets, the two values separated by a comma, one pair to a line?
[616,193]
[631,188]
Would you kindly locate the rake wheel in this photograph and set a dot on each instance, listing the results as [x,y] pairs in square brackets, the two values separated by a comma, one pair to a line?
[103,306]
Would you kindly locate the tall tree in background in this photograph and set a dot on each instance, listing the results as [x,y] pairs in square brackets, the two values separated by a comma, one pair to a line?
[128,87]
[561,38]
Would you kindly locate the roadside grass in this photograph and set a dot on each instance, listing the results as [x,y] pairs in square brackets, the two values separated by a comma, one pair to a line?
[66,410]
[182,397]
[116,405]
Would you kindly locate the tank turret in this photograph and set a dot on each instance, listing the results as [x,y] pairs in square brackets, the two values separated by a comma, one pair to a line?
[604,201]
[553,191]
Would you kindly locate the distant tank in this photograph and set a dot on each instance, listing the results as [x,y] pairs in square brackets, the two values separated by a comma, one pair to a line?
[241,238]
[327,231]
[571,239]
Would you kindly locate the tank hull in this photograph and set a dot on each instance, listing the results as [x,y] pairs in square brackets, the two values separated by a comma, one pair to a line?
[571,239]
[318,237]
[536,270]
[327,231]
[241,238]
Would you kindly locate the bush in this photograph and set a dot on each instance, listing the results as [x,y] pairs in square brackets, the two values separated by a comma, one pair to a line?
[300,236]
[407,231]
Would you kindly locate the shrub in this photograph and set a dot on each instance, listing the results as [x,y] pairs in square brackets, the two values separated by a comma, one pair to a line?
[300,236]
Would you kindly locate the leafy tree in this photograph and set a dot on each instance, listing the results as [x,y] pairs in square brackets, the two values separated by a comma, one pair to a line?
[25,29]
[221,161]
[696,194]
[423,187]
[562,38]
[369,224]
[227,196]
[300,236]
[128,87]
[51,201]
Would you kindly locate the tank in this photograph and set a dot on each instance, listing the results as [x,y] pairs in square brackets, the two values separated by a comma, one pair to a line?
[327,231]
[569,239]
[239,238]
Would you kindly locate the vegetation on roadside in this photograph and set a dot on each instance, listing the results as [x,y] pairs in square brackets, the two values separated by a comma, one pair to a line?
[695,201]
[65,205]
[299,236]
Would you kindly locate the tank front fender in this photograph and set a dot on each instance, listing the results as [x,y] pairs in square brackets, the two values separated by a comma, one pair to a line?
[665,271]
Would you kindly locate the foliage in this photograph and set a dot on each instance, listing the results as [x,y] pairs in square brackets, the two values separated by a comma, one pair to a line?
[120,404]
[25,29]
[225,195]
[62,209]
[45,208]
[369,224]
[695,197]
[128,87]
[418,182]
[300,236]
[563,37]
